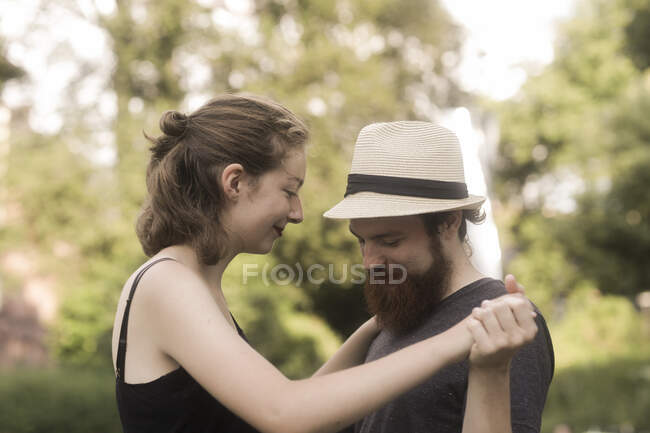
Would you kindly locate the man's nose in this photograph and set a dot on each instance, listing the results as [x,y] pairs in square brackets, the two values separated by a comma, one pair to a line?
[372,257]
[295,214]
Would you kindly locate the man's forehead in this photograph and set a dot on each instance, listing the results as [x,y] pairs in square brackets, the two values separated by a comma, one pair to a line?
[385,225]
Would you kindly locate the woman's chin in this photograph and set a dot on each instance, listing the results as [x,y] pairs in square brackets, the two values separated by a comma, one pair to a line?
[261,249]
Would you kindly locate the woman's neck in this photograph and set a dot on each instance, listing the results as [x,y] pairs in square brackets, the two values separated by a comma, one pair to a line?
[211,274]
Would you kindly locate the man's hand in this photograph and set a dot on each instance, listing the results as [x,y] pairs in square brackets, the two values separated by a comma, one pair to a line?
[512,286]
[500,327]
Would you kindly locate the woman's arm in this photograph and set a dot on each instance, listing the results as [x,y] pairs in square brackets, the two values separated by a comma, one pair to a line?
[332,402]
[511,325]
[186,324]
[353,351]
[488,401]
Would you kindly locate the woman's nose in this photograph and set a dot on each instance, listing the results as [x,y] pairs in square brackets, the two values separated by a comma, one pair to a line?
[295,214]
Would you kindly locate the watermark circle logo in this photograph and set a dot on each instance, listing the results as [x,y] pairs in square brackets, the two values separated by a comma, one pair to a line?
[282,274]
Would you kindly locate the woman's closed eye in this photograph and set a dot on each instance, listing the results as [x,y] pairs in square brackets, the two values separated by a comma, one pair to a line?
[290,193]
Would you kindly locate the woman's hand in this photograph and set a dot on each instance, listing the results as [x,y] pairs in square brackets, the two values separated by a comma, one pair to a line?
[500,327]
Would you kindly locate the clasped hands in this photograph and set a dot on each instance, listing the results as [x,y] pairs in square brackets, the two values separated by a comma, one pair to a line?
[500,327]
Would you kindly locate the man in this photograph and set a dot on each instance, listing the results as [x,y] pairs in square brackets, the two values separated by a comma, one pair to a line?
[408,205]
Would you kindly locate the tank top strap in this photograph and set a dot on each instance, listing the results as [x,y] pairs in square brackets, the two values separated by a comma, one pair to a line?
[121,348]
[239,330]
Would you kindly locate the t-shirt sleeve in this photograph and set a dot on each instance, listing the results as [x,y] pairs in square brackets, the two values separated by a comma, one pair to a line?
[530,377]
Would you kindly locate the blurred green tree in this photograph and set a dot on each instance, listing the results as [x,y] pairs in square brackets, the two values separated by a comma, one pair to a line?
[574,152]
[572,188]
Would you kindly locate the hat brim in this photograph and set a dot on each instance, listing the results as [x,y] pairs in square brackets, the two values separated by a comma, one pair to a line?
[376,205]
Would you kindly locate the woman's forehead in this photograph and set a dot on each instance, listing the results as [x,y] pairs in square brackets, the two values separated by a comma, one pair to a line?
[294,167]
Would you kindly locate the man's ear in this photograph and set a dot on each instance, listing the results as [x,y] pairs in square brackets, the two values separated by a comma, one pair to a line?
[231,180]
[452,224]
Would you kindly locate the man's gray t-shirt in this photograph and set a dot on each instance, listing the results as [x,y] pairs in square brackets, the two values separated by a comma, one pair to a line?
[438,405]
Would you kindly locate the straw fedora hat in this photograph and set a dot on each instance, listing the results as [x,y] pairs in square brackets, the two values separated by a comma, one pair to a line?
[405,168]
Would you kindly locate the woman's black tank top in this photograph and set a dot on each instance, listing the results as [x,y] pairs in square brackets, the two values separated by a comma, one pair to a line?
[174,402]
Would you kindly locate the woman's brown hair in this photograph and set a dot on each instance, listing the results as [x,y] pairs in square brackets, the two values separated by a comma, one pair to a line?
[185,195]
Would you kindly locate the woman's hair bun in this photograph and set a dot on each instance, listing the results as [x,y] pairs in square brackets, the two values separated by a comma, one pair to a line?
[173,123]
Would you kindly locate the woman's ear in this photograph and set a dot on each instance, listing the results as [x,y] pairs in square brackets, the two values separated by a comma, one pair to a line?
[231,180]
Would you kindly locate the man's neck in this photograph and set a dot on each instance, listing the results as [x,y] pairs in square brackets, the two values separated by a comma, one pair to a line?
[462,274]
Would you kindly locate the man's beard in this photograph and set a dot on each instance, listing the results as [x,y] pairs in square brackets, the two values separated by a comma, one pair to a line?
[401,307]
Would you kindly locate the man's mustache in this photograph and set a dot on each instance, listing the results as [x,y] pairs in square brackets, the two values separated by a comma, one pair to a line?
[387,274]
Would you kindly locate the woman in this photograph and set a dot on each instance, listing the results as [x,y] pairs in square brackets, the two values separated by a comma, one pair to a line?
[222,181]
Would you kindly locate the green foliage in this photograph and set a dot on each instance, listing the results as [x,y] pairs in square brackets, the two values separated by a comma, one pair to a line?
[572,181]
[637,35]
[613,397]
[58,401]
[613,224]
[583,118]
[80,239]
[544,265]
[596,329]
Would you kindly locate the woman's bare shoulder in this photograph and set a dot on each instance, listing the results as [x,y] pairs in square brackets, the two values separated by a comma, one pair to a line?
[169,284]
[157,285]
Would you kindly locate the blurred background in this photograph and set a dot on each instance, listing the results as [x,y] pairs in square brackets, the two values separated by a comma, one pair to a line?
[551,101]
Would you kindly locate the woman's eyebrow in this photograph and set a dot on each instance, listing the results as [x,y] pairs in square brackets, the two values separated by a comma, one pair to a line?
[297,179]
